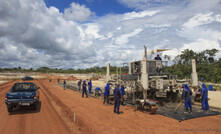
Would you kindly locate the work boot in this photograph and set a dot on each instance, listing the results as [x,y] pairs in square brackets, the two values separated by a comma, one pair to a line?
[186,110]
[189,112]
[190,109]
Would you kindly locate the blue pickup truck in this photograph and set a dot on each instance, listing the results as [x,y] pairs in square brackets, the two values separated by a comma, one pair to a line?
[22,94]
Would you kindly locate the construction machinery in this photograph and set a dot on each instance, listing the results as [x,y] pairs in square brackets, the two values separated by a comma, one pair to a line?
[148,83]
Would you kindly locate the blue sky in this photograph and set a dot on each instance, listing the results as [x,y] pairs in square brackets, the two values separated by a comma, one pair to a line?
[100,7]
[87,33]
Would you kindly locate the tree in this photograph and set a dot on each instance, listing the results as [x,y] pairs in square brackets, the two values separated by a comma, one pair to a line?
[167,57]
[186,56]
[211,54]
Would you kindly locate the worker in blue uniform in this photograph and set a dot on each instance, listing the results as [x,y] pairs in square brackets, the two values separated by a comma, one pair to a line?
[84,87]
[79,85]
[64,84]
[158,57]
[106,94]
[122,93]
[89,87]
[97,89]
[186,95]
[204,96]
[117,97]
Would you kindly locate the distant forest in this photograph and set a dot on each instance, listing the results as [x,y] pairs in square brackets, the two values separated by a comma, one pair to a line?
[208,67]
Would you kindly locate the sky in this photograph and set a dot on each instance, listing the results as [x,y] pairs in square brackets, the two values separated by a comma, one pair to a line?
[86,33]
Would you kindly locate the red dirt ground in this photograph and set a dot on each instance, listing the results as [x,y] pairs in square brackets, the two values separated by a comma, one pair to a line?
[57,116]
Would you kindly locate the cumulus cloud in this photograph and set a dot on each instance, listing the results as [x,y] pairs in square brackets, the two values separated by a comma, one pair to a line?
[77,12]
[33,35]
[30,28]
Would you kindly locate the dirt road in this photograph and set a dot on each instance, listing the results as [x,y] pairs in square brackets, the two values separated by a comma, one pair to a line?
[57,116]
[43,121]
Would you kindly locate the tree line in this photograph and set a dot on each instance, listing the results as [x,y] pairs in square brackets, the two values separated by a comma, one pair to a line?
[208,67]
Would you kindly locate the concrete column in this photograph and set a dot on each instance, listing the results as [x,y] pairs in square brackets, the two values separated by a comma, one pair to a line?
[193,66]
[194,77]
[144,74]
[133,68]
[130,68]
[108,69]
[108,72]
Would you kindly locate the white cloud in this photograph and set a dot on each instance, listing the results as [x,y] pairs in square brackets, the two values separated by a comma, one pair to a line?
[33,35]
[123,39]
[199,19]
[218,18]
[197,33]
[77,12]
[133,15]
[93,29]
[201,44]
[197,46]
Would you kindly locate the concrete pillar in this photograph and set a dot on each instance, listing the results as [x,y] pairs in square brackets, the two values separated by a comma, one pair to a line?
[144,74]
[194,77]
[108,72]
[130,68]
[133,68]
[193,66]
[117,75]
[108,69]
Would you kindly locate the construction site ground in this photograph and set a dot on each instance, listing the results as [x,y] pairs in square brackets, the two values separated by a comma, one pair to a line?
[58,107]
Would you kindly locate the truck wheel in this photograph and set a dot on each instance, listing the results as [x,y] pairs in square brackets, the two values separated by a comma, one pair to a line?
[153,109]
[9,108]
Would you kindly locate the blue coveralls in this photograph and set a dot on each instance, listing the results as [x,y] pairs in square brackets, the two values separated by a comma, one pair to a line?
[89,86]
[157,58]
[79,85]
[186,95]
[64,84]
[204,94]
[117,96]
[122,90]
[97,89]
[84,87]
[122,93]
[106,93]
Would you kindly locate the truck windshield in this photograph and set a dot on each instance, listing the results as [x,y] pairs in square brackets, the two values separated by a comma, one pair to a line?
[21,87]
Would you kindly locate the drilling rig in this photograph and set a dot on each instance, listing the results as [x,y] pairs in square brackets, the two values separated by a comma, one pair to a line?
[148,83]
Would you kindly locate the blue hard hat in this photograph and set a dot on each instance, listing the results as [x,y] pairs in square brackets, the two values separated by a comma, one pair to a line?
[201,78]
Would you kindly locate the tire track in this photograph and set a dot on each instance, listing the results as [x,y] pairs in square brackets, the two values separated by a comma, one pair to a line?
[54,105]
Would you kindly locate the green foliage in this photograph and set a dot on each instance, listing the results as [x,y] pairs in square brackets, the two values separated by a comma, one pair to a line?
[207,68]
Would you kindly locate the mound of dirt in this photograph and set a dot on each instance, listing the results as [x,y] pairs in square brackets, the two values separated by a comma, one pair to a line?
[72,78]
